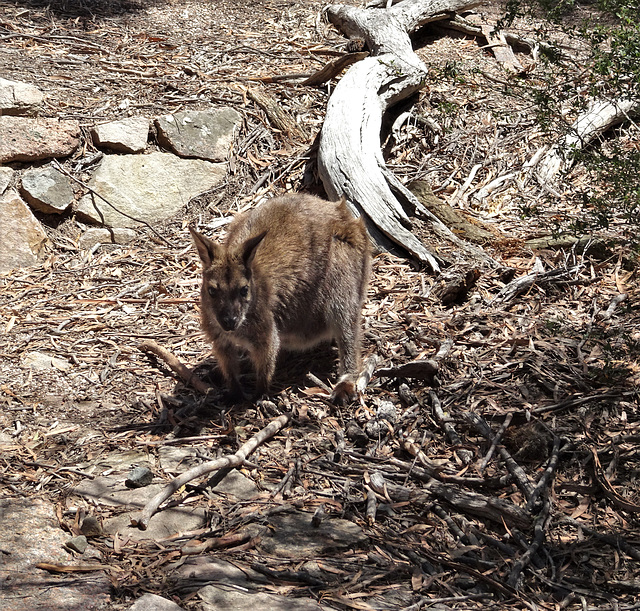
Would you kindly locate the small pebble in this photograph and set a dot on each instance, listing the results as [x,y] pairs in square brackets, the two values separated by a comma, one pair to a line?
[91,527]
[77,544]
[139,477]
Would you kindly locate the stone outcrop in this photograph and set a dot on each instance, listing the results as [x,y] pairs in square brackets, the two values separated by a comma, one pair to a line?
[19,98]
[21,235]
[125,136]
[102,235]
[153,602]
[200,134]
[27,139]
[6,175]
[140,188]
[30,534]
[150,188]
[47,190]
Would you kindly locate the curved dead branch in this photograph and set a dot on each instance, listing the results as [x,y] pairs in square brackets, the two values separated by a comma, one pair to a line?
[226,462]
[350,160]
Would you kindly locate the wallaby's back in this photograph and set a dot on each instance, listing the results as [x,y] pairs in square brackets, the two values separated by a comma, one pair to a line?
[313,259]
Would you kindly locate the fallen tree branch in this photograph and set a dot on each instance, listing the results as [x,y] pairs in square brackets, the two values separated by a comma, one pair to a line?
[186,374]
[539,530]
[524,283]
[465,455]
[277,115]
[518,473]
[226,462]
[609,491]
[350,160]
[597,119]
[492,508]
[615,541]
[333,68]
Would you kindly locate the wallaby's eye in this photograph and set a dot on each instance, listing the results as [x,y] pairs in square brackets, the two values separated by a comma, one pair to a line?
[213,291]
[244,291]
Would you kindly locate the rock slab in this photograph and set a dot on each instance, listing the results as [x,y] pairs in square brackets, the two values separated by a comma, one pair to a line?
[38,361]
[27,139]
[153,602]
[19,98]
[47,190]
[29,534]
[199,133]
[21,234]
[220,598]
[111,491]
[6,176]
[150,188]
[125,136]
[102,235]
[292,536]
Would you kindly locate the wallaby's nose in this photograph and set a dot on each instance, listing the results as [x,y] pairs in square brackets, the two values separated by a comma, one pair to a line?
[228,322]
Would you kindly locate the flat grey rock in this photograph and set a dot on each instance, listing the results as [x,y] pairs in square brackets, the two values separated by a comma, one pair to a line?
[162,525]
[151,188]
[18,98]
[203,134]
[291,535]
[22,237]
[209,568]
[47,190]
[175,460]
[102,235]
[124,136]
[29,534]
[6,176]
[221,598]
[153,602]
[119,462]
[237,487]
[27,139]
[111,491]
[39,361]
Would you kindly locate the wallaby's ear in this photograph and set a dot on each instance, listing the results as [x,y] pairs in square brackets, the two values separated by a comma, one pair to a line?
[207,249]
[249,248]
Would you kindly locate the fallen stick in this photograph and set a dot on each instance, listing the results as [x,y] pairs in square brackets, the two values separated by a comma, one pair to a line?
[186,374]
[226,462]
[518,473]
[597,119]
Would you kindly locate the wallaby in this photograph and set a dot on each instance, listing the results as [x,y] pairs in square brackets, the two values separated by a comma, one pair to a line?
[290,273]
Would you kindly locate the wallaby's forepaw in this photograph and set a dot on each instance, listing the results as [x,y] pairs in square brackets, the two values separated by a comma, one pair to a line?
[234,395]
[344,392]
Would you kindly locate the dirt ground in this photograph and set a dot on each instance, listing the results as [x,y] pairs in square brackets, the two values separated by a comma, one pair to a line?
[554,371]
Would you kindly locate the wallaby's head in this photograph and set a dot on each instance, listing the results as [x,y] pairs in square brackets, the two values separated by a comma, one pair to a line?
[227,288]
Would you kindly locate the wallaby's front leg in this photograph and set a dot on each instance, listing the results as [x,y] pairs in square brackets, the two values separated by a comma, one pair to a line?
[229,364]
[264,354]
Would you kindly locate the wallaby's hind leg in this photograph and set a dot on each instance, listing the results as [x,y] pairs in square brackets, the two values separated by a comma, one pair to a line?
[263,356]
[348,341]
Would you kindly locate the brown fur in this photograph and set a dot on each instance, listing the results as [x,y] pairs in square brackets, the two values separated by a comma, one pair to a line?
[290,273]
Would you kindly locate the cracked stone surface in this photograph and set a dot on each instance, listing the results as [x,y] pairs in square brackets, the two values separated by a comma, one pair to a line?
[149,188]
